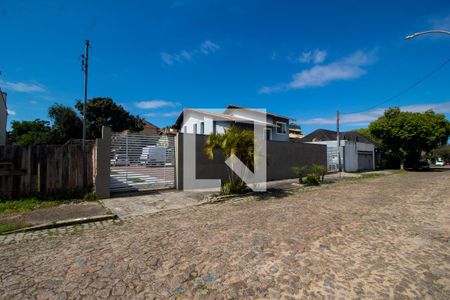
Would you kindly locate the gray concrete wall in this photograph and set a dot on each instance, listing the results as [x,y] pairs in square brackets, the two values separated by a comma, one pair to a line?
[281,158]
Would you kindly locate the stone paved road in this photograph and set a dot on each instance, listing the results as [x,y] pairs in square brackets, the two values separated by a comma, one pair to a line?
[385,237]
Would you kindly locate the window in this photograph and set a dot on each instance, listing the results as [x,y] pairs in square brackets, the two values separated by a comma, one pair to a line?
[268,134]
[202,127]
[195,129]
[281,128]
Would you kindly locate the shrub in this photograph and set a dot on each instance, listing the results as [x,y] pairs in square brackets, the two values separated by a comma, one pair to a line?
[312,179]
[319,170]
[233,188]
[300,172]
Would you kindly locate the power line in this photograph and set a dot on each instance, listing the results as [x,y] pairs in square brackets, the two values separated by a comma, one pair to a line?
[416,83]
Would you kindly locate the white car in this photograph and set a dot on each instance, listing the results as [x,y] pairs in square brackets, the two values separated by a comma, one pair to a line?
[120,160]
[440,162]
[153,156]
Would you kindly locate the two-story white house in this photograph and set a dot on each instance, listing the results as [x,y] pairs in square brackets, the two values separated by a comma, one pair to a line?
[209,122]
[3,118]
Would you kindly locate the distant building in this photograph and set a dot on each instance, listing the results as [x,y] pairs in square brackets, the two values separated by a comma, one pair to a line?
[357,152]
[208,122]
[3,118]
[295,133]
[150,129]
[169,131]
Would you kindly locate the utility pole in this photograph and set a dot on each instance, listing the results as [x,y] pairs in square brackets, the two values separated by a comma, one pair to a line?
[338,140]
[84,68]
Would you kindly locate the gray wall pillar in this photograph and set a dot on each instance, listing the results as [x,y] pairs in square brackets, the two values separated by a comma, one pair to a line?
[102,164]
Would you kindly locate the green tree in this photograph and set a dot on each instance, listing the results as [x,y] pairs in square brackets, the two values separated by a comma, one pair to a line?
[66,123]
[294,126]
[105,112]
[366,133]
[235,141]
[408,134]
[31,132]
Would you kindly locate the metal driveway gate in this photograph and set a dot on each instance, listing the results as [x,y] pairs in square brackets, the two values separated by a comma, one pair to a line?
[141,162]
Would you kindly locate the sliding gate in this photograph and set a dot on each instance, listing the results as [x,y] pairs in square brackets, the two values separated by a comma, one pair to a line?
[140,162]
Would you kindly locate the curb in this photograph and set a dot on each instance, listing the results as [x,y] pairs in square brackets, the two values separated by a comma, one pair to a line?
[63,223]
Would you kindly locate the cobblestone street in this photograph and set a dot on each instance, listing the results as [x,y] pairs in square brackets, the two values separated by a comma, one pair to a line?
[385,237]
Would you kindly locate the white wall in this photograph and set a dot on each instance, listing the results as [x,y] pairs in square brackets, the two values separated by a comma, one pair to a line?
[260,116]
[349,152]
[192,117]
[3,119]
[350,157]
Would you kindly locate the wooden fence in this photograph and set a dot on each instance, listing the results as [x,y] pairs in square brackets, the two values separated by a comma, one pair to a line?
[44,169]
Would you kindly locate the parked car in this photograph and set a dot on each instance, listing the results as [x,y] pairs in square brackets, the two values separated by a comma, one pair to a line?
[120,160]
[424,164]
[153,156]
[440,162]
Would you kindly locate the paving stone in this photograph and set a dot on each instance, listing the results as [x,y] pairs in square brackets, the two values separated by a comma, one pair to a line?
[386,237]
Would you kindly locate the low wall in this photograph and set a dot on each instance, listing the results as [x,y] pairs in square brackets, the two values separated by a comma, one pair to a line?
[281,158]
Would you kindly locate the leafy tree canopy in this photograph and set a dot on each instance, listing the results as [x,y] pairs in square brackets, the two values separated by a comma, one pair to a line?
[408,134]
[105,112]
[294,126]
[66,123]
[31,132]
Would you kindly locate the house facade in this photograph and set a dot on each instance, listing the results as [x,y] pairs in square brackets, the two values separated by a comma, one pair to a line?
[204,122]
[3,118]
[357,152]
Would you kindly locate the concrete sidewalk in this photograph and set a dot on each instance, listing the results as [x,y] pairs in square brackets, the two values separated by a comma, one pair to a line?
[156,201]
[129,206]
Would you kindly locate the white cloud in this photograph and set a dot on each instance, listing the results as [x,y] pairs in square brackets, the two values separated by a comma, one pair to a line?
[442,23]
[208,47]
[22,87]
[171,114]
[316,57]
[152,104]
[11,112]
[165,115]
[372,115]
[34,102]
[205,48]
[344,69]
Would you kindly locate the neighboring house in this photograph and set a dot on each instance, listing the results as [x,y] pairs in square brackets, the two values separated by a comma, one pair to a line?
[3,118]
[150,129]
[169,131]
[357,152]
[295,134]
[210,122]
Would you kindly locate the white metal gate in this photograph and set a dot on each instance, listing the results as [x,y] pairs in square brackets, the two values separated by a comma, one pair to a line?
[141,162]
[332,159]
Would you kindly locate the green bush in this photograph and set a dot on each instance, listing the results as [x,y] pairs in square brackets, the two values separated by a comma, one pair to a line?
[319,170]
[233,188]
[300,172]
[312,179]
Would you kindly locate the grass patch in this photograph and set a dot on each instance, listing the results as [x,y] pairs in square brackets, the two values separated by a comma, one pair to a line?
[371,175]
[26,204]
[12,226]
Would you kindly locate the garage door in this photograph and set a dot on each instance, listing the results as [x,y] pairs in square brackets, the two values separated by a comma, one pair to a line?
[365,160]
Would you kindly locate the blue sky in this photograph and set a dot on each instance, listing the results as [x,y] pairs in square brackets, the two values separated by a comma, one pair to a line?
[303,59]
